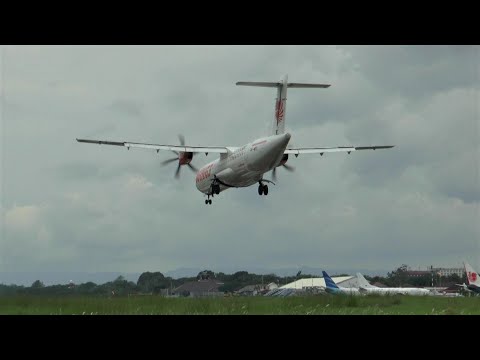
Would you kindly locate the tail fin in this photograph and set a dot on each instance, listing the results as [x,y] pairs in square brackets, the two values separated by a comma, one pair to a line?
[281,101]
[328,281]
[362,282]
[472,275]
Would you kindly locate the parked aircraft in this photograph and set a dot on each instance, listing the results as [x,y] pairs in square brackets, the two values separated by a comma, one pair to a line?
[473,279]
[366,288]
[333,288]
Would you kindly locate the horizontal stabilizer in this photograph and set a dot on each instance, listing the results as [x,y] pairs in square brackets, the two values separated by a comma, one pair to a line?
[259,83]
[278,84]
[311,86]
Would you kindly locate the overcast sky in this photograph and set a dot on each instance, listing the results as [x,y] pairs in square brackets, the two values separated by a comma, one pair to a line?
[68,206]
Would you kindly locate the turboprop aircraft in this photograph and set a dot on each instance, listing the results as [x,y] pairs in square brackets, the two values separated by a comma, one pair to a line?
[246,165]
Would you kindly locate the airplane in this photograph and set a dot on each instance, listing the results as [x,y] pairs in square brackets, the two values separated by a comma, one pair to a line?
[332,288]
[246,165]
[472,279]
[366,288]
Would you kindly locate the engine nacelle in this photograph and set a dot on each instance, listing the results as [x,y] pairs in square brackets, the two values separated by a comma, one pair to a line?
[185,158]
[284,160]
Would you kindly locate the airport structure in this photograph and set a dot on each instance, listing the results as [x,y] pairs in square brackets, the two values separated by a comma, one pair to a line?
[449,271]
[418,273]
[445,272]
[200,288]
[258,289]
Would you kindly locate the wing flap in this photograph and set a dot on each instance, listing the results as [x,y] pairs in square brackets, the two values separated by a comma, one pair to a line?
[322,150]
[374,147]
[193,149]
[318,150]
[101,142]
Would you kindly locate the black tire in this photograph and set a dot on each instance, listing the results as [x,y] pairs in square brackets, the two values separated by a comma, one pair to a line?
[265,190]
[210,202]
[206,202]
[260,190]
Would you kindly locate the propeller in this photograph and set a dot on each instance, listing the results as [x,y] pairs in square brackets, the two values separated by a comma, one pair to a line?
[183,158]
[274,171]
[283,163]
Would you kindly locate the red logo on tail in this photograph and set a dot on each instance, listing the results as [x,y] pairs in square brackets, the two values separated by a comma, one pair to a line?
[279,111]
[472,276]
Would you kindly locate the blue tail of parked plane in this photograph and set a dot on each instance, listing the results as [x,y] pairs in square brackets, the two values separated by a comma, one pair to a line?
[330,284]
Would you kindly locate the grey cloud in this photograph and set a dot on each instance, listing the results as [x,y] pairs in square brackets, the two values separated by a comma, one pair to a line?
[77,171]
[127,107]
[415,71]
[109,209]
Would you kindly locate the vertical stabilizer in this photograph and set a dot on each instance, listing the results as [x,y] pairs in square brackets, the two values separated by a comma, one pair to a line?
[472,275]
[362,282]
[329,281]
[281,100]
[280,107]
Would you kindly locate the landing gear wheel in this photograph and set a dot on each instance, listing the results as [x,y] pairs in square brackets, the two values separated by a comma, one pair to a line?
[210,202]
[206,202]
[260,189]
[217,189]
[265,190]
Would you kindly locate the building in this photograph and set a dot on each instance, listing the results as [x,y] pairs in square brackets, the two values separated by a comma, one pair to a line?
[444,272]
[259,289]
[449,271]
[200,288]
[417,273]
[249,290]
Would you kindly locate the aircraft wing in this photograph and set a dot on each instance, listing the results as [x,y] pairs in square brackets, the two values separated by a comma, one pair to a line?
[322,150]
[157,147]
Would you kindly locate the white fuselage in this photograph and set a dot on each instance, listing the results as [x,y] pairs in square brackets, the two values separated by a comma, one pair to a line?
[343,290]
[245,166]
[396,291]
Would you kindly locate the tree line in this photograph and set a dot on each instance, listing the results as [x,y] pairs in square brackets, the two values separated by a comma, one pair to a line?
[157,283]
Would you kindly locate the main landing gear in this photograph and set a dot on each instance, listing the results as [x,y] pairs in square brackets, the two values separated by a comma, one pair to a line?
[263,188]
[215,189]
[208,201]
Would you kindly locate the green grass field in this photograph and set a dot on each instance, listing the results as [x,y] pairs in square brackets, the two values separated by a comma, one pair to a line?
[309,305]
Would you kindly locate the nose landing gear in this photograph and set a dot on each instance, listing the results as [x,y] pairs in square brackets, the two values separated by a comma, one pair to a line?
[214,190]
